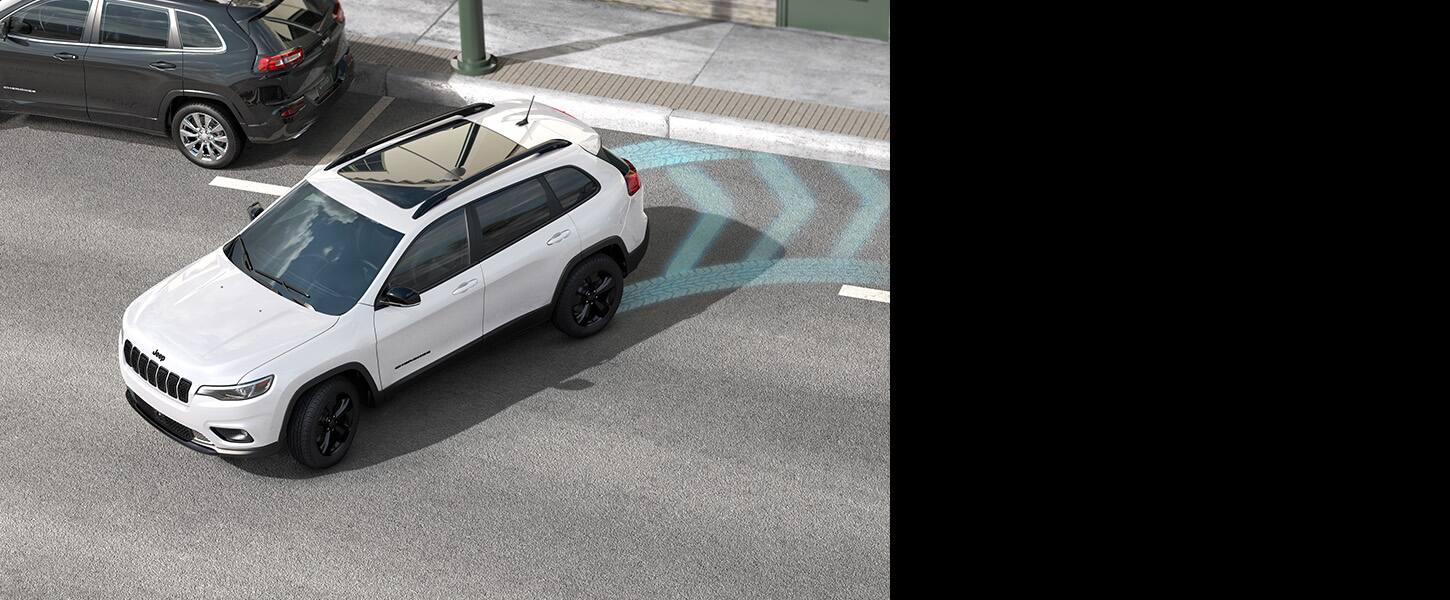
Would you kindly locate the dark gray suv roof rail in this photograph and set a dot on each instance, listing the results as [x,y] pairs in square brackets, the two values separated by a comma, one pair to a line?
[462,112]
[442,195]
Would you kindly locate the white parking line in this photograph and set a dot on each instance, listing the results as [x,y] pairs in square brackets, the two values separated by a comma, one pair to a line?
[851,291]
[352,134]
[250,186]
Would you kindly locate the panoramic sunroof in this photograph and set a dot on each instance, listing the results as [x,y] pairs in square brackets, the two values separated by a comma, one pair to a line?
[406,174]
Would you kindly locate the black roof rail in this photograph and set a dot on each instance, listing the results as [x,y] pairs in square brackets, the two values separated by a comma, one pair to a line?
[442,195]
[462,112]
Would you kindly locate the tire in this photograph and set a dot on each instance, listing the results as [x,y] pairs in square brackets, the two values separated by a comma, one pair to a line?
[199,130]
[590,297]
[328,410]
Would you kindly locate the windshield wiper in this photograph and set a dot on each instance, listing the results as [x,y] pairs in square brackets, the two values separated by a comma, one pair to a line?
[247,258]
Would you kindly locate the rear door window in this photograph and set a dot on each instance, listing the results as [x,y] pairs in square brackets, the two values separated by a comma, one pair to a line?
[56,20]
[135,25]
[507,216]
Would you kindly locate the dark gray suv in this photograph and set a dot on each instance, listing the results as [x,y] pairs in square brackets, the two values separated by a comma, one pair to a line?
[211,74]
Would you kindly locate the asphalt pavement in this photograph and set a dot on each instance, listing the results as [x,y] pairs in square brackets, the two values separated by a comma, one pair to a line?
[727,437]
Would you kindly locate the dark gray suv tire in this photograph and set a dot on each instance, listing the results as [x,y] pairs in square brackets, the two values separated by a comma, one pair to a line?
[206,135]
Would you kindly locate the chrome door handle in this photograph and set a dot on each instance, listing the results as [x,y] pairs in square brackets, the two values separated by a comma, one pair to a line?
[162,66]
[64,56]
[558,237]
[463,287]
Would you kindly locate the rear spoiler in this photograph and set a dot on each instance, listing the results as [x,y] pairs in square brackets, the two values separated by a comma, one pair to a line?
[462,112]
[246,10]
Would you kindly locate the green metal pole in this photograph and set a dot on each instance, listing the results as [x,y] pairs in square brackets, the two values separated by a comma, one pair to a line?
[474,59]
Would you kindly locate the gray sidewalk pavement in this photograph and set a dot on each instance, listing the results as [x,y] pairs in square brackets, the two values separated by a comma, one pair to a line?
[781,90]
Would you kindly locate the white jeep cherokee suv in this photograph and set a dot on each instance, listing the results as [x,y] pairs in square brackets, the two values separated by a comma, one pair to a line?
[388,261]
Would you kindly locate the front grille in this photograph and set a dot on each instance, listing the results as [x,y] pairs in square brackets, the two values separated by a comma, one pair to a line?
[158,376]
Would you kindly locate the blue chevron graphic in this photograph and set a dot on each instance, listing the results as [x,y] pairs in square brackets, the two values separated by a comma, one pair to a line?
[875,198]
[715,210]
[665,153]
[796,206]
[753,273]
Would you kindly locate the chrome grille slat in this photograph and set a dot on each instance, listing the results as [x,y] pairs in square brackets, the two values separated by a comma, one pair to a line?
[158,376]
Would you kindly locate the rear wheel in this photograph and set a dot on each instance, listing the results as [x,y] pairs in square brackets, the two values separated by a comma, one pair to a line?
[590,297]
[206,135]
[324,424]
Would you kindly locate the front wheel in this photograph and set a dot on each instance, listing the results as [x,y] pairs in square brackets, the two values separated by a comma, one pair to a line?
[206,135]
[324,424]
[590,297]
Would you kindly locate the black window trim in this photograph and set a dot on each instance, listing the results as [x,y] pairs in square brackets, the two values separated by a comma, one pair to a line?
[469,223]
[475,228]
[598,187]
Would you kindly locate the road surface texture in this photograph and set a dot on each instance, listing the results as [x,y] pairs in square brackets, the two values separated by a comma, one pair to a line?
[728,436]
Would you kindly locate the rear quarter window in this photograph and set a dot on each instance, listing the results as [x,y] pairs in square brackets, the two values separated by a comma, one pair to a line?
[196,32]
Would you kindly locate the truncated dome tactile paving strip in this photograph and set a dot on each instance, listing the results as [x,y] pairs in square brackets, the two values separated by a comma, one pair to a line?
[433,62]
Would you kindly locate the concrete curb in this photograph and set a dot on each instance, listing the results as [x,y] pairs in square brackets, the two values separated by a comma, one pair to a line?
[606,113]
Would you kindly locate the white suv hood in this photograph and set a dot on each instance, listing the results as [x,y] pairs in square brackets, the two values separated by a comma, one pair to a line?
[215,323]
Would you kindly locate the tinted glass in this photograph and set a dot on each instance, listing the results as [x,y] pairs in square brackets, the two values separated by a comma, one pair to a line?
[408,173]
[59,20]
[438,254]
[511,214]
[572,186]
[131,25]
[315,244]
[196,32]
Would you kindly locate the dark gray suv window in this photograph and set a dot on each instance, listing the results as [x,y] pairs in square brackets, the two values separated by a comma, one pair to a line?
[133,25]
[58,20]
[197,33]
[436,255]
[511,214]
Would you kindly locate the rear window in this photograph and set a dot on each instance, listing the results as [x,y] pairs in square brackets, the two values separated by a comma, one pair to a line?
[291,24]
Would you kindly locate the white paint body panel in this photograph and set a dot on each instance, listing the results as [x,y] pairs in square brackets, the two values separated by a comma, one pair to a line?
[217,326]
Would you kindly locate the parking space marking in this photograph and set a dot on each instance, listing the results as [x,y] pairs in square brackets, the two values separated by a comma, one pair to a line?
[851,291]
[352,134]
[250,186]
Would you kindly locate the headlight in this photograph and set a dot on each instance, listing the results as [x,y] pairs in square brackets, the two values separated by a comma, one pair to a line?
[245,391]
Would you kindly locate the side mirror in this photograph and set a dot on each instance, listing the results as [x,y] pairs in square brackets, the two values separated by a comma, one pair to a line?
[401,297]
[5,28]
[254,210]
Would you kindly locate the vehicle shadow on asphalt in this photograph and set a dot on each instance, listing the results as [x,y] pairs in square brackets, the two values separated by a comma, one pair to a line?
[487,379]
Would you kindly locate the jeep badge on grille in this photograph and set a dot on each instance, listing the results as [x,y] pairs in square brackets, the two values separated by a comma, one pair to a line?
[158,355]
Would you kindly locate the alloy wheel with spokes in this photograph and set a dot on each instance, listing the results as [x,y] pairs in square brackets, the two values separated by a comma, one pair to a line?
[594,300]
[334,428]
[204,137]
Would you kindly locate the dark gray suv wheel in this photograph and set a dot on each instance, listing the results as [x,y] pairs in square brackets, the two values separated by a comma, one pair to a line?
[207,136]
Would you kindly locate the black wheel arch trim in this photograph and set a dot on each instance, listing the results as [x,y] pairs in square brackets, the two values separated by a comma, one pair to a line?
[372,390]
[612,241]
[166,115]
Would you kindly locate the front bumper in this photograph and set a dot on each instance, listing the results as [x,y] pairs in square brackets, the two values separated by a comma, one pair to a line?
[187,436]
[277,129]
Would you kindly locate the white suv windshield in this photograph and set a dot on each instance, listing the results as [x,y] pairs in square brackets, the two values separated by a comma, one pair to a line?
[313,250]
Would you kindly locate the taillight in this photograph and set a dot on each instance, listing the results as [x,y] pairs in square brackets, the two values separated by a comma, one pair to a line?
[631,179]
[280,61]
[337,14]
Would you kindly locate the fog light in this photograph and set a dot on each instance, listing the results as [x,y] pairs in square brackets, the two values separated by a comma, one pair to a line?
[235,436]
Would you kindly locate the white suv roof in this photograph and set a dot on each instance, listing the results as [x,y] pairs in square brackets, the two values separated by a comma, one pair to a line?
[394,180]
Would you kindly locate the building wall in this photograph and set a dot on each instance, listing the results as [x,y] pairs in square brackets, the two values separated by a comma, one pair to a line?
[754,12]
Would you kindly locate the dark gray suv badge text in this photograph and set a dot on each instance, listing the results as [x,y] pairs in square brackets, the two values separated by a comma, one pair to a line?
[158,355]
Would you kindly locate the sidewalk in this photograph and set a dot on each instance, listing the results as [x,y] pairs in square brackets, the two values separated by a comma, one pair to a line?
[778,90]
